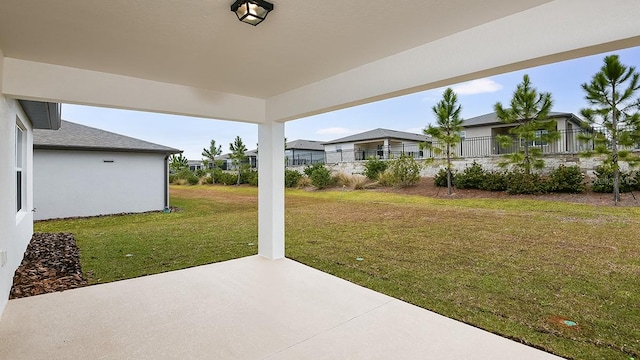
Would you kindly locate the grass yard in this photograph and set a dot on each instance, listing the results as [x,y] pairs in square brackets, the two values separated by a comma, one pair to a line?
[519,268]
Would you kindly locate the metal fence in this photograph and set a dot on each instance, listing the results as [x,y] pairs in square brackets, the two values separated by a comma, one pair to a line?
[569,142]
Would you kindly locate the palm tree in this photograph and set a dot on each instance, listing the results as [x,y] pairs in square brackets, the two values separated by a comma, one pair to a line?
[447,131]
[613,106]
[529,110]
[237,149]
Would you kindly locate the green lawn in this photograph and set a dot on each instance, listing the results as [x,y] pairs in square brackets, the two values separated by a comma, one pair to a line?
[518,268]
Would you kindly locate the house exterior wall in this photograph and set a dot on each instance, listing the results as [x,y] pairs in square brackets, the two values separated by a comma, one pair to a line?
[336,153]
[16,226]
[88,183]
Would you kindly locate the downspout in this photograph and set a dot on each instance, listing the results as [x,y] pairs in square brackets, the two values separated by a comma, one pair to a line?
[166,184]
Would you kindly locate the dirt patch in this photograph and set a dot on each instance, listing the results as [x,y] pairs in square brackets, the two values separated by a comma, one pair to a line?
[51,263]
[426,187]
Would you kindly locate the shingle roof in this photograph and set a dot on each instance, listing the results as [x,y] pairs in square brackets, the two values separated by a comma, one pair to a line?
[492,118]
[305,145]
[72,136]
[379,134]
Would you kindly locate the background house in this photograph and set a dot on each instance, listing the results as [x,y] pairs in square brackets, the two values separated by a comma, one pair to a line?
[479,136]
[17,121]
[380,143]
[84,171]
[304,152]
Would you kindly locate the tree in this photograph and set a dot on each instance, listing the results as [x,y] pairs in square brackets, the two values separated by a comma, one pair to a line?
[447,131]
[237,149]
[210,154]
[178,162]
[616,111]
[529,111]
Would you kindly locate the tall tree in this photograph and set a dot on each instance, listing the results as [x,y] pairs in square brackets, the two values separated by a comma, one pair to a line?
[178,162]
[447,131]
[238,150]
[210,154]
[615,108]
[529,111]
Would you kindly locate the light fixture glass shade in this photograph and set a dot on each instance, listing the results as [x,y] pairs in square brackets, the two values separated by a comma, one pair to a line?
[251,11]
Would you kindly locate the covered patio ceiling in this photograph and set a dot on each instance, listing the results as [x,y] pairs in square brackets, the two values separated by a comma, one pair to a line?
[194,57]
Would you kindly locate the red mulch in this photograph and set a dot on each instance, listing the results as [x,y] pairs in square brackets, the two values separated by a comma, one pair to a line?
[51,263]
[427,188]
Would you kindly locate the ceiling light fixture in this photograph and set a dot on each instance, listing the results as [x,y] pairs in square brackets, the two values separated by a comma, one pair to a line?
[251,11]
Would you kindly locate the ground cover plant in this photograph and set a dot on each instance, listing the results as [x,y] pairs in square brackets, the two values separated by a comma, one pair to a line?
[516,267]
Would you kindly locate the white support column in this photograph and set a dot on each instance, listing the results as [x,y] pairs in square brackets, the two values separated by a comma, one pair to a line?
[271,190]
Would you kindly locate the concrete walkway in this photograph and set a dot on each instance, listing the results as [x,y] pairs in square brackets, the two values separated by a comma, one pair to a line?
[249,308]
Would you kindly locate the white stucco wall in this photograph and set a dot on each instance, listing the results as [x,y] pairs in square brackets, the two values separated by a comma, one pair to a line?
[16,228]
[86,183]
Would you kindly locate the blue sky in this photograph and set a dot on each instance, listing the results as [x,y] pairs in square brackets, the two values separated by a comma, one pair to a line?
[407,113]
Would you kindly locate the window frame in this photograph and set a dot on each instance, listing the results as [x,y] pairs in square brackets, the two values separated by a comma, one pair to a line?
[20,159]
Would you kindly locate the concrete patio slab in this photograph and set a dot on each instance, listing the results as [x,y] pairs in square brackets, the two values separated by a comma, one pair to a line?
[248,308]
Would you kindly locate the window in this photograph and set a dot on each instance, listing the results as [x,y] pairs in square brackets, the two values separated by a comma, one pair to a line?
[19,168]
[538,141]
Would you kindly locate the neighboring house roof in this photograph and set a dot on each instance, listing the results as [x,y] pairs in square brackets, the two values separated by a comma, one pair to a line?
[305,145]
[379,134]
[492,119]
[72,136]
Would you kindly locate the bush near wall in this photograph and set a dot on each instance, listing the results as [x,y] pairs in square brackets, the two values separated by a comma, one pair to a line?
[568,179]
[291,178]
[603,183]
[373,167]
[404,171]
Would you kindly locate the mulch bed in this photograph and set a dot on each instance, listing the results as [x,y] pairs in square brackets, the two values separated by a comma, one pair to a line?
[51,263]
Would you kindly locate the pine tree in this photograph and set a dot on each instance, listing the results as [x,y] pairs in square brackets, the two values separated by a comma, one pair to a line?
[529,111]
[614,107]
[237,149]
[210,154]
[447,131]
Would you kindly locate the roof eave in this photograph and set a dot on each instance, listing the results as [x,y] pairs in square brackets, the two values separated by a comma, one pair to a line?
[105,149]
[43,115]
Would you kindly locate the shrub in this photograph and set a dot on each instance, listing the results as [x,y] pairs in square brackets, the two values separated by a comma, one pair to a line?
[566,179]
[342,179]
[184,174]
[172,178]
[310,169]
[359,182]
[249,177]
[520,182]
[440,179]
[604,180]
[405,171]
[214,175]
[304,182]
[471,178]
[374,167]
[192,179]
[227,178]
[385,179]
[291,178]
[494,181]
[321,177]
[200,172]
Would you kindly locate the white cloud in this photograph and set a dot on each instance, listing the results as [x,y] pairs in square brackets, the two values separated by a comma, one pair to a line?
[479,86]
[336,131]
